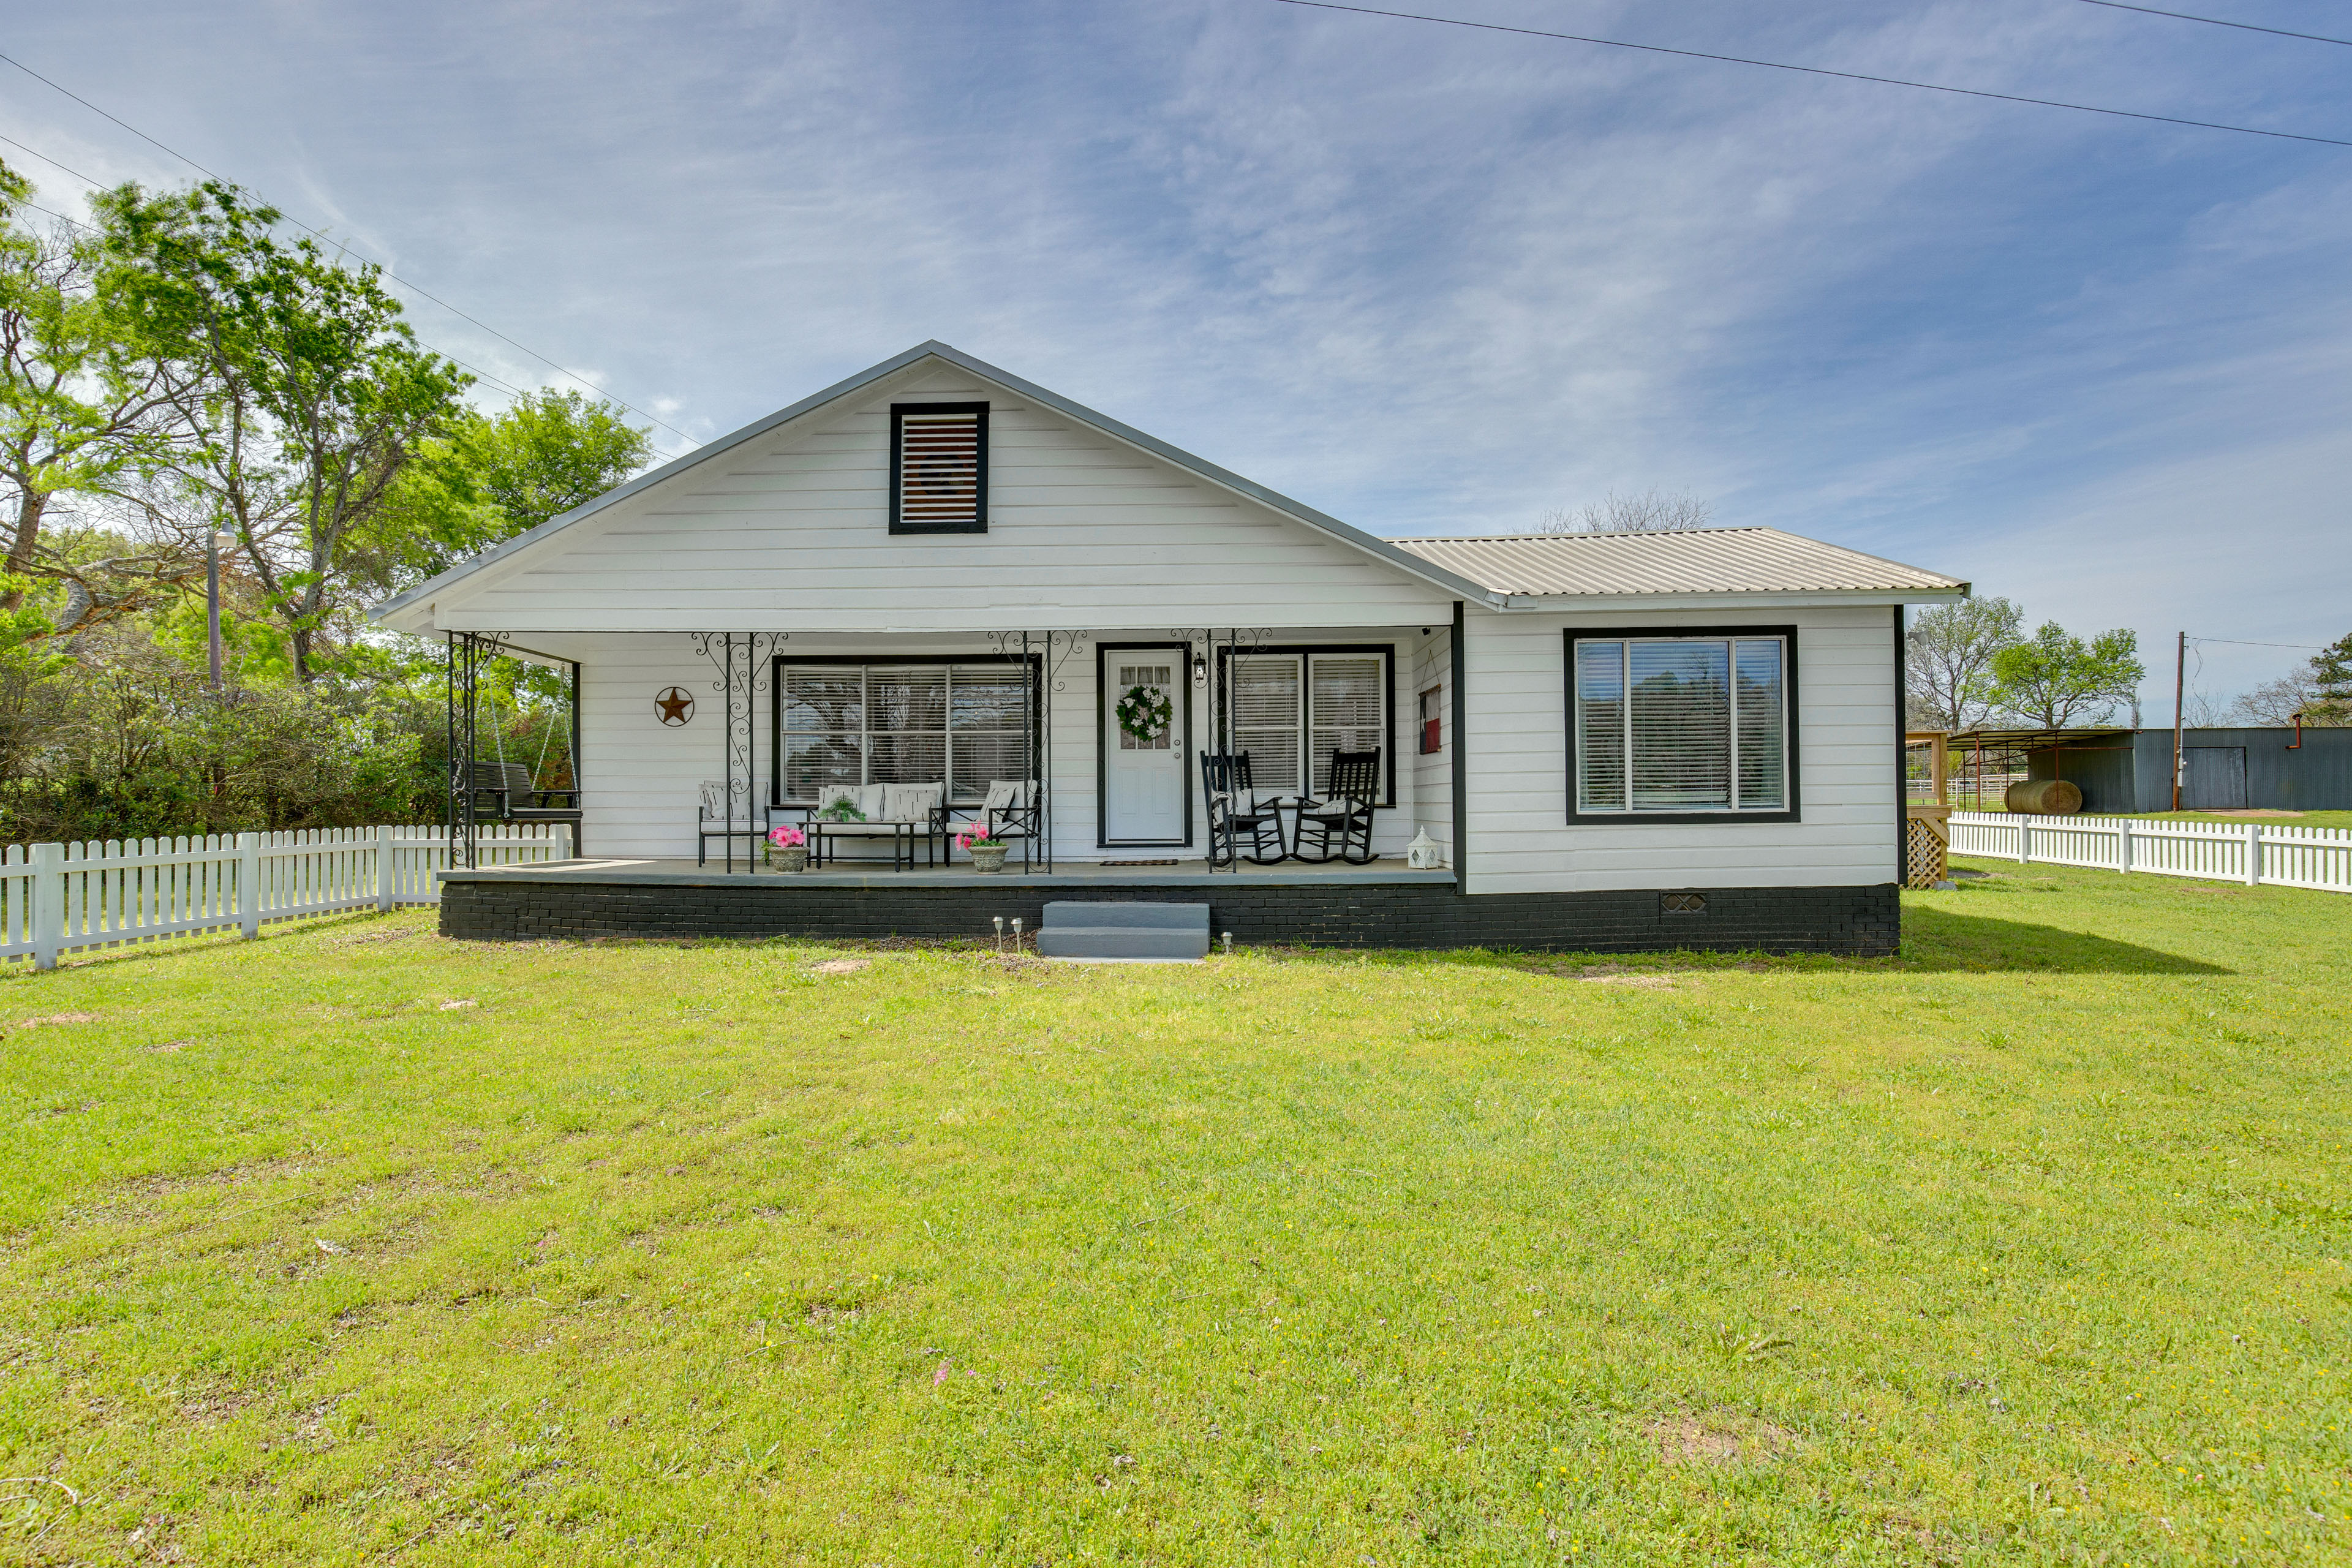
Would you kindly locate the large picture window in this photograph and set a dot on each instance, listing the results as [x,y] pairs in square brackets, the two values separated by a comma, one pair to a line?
[1292,709]
[898,724]
[1682,725]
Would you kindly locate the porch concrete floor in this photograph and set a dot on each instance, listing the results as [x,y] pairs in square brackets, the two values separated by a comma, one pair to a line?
[1074,875]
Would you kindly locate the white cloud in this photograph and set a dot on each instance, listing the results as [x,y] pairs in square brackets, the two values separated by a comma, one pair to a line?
[1425,278]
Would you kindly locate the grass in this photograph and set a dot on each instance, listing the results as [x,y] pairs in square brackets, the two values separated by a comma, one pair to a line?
[354,1245]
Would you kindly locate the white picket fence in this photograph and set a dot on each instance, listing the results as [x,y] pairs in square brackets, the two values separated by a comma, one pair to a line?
[63,898]
[2252,853]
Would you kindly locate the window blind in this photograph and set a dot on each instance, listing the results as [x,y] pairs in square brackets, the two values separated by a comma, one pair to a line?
[1678,697]
[985,734]
[1266,717]
[1292,710]
[1763,773]
[1600,726]
[852,724]
[1680,724]
[1344,708]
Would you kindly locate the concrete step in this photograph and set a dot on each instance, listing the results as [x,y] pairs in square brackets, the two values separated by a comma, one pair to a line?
[1122,941]
[1104,913]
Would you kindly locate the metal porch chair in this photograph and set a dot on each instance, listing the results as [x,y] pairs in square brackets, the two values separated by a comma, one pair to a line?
[750,820]
[1013,813]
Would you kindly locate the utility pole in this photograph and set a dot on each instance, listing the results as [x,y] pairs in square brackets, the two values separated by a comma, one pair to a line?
[2179,669]
[212,605]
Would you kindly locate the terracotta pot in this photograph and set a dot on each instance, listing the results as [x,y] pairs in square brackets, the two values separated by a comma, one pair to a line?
[988,857]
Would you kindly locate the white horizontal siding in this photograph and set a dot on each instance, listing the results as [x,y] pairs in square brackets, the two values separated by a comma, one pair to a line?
[1520,840]
[792,533]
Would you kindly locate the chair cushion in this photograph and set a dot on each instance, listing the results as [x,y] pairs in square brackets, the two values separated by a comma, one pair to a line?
[912,802]
[1004,794]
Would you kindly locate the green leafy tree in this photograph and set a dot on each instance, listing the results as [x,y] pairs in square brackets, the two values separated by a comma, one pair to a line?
[2056,679]
[1948,667]
[493,478]
[81,406]
[2331,682]
[308,395]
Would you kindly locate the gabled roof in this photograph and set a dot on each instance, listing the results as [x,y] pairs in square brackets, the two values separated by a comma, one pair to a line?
[1690,560]
[1427,571]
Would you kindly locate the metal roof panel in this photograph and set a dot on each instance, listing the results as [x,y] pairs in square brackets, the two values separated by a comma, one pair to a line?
[1689,560]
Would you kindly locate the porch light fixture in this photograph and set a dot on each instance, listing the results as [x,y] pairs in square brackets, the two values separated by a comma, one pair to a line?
[1200,671]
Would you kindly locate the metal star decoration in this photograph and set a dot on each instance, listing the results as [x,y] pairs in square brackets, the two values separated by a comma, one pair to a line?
[676,706]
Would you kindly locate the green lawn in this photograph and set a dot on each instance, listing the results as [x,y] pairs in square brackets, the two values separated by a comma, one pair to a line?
[354,1245]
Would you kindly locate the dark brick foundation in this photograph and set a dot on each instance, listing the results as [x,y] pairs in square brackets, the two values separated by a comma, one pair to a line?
[1856,922]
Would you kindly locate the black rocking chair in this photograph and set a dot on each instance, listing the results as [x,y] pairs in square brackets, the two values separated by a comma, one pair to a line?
[1233,810]
[1342,824]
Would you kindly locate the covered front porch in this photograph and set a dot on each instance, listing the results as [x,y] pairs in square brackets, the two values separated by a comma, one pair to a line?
[686,747]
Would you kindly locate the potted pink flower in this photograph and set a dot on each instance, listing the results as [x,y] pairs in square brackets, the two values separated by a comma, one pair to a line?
[987,850]
[788,848]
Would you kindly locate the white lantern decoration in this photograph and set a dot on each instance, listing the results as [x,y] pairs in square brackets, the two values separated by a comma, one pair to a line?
[1424,854]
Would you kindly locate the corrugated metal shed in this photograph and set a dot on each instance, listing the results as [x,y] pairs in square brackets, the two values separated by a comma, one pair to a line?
[1692,560]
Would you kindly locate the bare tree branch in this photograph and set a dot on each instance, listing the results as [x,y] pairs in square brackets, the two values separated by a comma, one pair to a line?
[1651,511]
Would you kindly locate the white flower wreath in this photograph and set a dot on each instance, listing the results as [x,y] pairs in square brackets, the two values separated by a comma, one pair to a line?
[1145,711]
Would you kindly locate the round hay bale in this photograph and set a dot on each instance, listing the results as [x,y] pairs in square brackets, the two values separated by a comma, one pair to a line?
[2044,797]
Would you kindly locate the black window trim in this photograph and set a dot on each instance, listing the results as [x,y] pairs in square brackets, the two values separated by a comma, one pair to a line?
[1307,700]
[898,411]
[776,797]
[1629,818]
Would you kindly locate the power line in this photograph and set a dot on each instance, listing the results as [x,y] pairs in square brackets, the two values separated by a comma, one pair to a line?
[2217,22]
[53,164]
[341,245]
[2240,642]
[511,390]
[1810,70]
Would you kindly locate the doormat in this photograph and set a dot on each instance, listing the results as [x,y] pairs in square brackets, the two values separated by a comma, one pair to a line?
[1138,862]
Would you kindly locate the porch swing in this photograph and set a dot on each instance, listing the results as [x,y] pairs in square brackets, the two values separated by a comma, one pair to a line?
[509,791]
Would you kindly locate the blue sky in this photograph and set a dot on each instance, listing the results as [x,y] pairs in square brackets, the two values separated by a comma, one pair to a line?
[1427,279]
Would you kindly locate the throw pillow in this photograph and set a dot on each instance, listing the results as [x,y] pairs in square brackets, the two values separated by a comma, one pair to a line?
[911,803]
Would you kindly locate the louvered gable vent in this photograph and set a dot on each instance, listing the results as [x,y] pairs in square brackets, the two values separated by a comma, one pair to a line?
[938,468]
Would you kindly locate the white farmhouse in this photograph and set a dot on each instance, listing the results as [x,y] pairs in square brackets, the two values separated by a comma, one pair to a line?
[936,595]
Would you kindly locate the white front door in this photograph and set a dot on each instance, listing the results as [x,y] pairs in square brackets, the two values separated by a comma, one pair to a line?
[1143,775]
